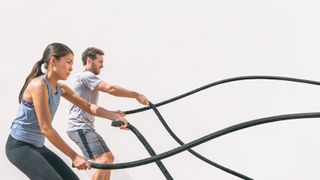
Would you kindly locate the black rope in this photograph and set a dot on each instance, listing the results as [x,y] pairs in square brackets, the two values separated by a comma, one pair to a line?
[223,82]
[204,139]
[145,143]
[175,137]
[172,134]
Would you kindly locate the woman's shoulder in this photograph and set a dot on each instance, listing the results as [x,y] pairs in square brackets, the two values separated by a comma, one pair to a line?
[36,85]
[37,82]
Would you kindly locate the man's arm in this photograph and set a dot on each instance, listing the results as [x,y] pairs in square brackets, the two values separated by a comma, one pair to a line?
[90,108]
[121,92]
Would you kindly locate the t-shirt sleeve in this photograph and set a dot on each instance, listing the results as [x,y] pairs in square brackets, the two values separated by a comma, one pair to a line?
[90,80]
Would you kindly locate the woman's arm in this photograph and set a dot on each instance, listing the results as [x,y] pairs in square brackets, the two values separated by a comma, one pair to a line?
[93,109]
[39,94]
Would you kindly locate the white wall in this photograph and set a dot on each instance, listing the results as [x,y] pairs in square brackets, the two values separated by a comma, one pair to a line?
[165,48]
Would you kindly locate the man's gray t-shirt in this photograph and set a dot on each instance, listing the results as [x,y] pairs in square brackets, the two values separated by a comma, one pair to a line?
[85,86]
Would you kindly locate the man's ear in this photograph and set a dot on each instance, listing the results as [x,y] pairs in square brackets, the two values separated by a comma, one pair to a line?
[89,61]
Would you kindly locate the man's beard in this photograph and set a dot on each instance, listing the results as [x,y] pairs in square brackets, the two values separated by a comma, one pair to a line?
[96,71]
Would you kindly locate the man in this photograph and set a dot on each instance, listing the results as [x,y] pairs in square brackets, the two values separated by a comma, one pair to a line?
[81,124]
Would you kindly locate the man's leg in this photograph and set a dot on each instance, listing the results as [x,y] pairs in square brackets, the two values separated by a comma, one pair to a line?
[93,147]
[105,158]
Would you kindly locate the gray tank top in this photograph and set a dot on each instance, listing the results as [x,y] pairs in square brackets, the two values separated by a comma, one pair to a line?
[25,126]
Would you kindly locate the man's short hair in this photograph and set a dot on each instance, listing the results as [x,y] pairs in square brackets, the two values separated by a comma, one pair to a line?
[91,53]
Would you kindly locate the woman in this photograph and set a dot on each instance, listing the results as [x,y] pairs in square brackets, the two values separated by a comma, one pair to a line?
[39,99]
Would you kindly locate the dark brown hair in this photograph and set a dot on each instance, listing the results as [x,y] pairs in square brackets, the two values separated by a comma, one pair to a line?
[57,50]
[91,53]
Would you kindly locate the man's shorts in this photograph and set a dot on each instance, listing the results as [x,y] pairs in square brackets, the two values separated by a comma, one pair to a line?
[90,142]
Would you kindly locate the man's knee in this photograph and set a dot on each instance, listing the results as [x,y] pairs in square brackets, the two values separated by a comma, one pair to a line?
[110,157]
[106,158]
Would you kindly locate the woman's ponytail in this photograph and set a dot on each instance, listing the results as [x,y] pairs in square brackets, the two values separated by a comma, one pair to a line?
[35,72]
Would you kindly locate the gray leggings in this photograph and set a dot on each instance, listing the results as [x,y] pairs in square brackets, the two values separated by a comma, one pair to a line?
[37,163]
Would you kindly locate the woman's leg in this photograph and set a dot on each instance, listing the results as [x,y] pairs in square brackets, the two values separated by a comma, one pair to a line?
[26,158]
[58,164]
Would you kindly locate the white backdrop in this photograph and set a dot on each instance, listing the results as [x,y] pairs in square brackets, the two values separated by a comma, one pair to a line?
[165,48]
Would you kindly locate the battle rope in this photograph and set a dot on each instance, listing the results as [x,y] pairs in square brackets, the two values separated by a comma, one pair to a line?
[169,153]
[204,139]
[175,137]
[145,143]
[223,82]
[219,166]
